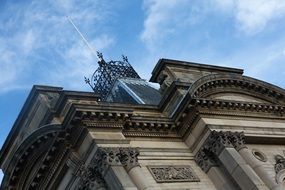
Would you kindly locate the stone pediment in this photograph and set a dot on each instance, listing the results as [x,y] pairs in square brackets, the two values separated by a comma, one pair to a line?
[236,97]
[229,87]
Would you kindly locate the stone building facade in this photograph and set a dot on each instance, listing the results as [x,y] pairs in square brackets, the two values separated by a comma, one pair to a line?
[207,127]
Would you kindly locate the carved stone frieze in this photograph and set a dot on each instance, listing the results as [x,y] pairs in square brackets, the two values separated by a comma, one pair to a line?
[280,163]
[173,174]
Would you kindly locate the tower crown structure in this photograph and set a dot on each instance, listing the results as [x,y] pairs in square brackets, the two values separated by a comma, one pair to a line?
[107,73]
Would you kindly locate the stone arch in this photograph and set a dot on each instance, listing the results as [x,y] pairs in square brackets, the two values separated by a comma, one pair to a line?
[218,83]
[33,148]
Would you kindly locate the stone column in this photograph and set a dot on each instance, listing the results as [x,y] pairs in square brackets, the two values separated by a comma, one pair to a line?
[208,164]
[110,167]
[129,159]
[238,141]
[221,149]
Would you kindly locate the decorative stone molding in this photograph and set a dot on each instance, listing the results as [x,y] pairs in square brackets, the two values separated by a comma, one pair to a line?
[280,163]
[237,105]
[161,126]
[130,124]
[173,174]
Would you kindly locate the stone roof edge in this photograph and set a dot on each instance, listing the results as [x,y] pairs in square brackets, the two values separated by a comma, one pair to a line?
[163,62]
[24,111]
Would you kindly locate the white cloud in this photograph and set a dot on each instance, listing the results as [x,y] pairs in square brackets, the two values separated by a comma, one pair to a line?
[38,41]
[253,16]
[166,17]
[162,18]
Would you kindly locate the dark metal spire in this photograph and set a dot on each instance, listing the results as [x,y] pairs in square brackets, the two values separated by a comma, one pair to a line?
[107,73]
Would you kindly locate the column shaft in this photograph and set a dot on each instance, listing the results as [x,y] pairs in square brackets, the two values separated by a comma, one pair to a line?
[240,171]
[139,178]
[259,169]
[220,180]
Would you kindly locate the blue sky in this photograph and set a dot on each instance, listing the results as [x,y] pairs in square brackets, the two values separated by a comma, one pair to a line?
[39,46]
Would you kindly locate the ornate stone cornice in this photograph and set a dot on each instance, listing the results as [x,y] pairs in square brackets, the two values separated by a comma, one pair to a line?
[150,128]
[237,105]
[130,124]
[280,163]
[101,115]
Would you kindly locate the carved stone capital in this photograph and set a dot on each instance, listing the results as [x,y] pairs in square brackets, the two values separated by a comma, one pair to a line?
[217,141]
[129,157]
[280,163]
[214,145]
[205,160]
[237,139]
[93,175]
[90,178]
[106,157]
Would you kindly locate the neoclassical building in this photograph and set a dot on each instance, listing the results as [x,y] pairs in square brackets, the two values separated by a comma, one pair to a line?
[206,127]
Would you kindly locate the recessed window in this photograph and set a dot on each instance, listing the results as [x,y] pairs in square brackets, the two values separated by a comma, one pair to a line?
[259,155]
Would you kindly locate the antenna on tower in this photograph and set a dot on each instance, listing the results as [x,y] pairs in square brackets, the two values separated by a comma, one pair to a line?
[96,53]
[107,73]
